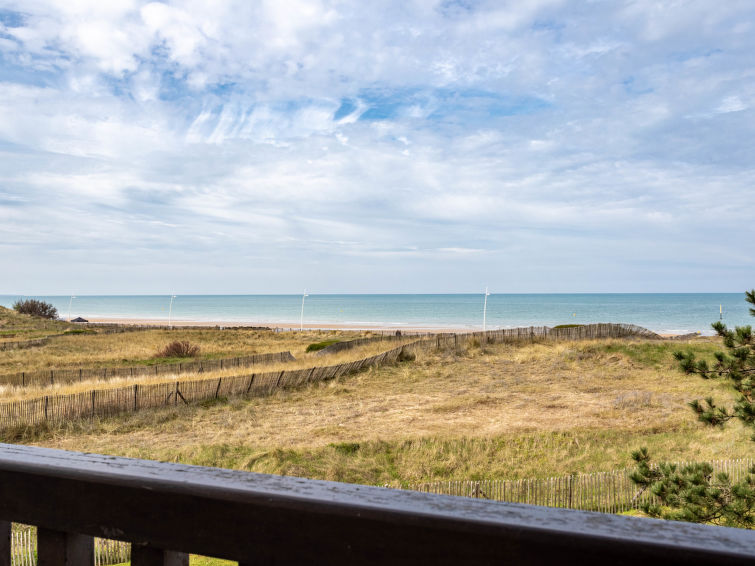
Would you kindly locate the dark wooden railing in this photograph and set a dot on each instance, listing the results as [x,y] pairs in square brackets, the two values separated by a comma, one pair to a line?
[168,510]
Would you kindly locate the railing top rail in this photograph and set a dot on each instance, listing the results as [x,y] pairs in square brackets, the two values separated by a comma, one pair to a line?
[255,517]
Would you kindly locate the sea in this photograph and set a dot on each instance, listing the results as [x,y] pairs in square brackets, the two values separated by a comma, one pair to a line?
[677,313]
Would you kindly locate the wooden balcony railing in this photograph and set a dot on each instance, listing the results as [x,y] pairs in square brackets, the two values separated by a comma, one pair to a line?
[169,510]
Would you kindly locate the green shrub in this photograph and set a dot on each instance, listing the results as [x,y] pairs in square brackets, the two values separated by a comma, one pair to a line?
[320,345]
[34,307]
[568,326]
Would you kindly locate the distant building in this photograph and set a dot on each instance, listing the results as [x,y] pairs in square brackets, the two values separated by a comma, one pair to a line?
[79,319]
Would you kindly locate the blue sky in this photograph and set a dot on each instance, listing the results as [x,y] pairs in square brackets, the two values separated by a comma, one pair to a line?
[409,146]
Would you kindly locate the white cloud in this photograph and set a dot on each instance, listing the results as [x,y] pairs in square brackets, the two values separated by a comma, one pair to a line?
[526,136]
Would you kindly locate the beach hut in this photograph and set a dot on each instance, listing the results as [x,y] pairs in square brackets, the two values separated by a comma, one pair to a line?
[79,319]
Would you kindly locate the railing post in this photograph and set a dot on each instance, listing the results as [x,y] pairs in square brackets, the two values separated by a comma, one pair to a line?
[5,530]
[56,548]
[142,555]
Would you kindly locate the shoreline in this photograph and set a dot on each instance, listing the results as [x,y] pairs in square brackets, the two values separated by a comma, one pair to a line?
[287,326]
[377,327]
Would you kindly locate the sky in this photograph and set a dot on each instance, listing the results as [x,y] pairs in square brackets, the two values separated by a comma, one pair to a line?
[408,146]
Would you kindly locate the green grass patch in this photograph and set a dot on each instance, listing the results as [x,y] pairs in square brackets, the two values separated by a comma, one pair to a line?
[659,354]
[79,331]
[568,326]
[316,346]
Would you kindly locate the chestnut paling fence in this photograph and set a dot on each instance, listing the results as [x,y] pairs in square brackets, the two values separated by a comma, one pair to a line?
[24,548]
[23,344]
[113,401]
[72,375]
[608,492]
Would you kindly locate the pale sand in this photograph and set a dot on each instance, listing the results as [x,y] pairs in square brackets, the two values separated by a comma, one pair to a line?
[278,325]
[289,326]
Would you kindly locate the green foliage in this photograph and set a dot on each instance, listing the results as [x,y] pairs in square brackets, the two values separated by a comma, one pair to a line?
[568,326]
[320,345]
[693,493]
[34,307]
[737,365]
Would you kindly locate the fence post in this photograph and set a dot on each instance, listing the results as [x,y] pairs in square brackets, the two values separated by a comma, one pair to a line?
[52,377]
[136,397]
[93,392]
[175,396]
[46,403]
[81,371]
[217,390]
[5,543]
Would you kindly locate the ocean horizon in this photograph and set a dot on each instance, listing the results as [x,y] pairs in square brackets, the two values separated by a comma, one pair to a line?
[677,313]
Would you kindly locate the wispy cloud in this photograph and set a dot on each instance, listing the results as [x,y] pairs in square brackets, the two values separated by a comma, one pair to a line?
[408,146]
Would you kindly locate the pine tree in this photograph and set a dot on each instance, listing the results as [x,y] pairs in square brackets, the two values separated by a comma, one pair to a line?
[737,365]
[692,492]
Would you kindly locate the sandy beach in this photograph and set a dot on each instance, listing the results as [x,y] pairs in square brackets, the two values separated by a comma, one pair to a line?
[279,325]
[287,326]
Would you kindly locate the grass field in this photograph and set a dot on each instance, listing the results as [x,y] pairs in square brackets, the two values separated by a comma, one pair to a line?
[139,347]
[504,411]
[16,327]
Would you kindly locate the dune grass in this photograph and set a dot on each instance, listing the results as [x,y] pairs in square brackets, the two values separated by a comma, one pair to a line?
[501,411]
[303,361]
[15,327]
[140,347]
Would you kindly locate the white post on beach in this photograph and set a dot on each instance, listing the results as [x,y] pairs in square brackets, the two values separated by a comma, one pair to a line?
[69,306]
[301,320]
[485,311]
[170,311]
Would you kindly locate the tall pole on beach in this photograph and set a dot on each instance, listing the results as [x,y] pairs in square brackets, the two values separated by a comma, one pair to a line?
[170,311]
[485,311]
[301,320]
[69,306]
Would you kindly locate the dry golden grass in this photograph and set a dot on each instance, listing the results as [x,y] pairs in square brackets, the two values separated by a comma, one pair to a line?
[505,412]
[303,361]
[140,347]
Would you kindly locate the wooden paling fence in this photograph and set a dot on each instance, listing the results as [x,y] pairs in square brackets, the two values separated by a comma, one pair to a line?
[72,375]
[23,344]
[111,402]
[24,548]
[583,332]
[608,492]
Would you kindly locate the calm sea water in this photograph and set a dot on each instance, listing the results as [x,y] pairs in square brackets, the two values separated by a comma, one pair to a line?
[662,312]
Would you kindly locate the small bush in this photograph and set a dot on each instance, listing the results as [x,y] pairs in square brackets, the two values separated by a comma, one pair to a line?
[406,356]
[568,326]
[178,349]
[346,448]
[36,308]
[320,345]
